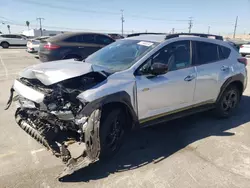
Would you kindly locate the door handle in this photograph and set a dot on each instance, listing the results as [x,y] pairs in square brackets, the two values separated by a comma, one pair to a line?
[224,68]
[189,78]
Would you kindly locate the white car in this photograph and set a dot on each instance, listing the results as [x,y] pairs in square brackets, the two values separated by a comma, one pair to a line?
[33,44]
[7,40]
[245,49]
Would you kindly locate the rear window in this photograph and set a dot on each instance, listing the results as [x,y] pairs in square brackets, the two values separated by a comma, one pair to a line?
[7,36]
[206,52]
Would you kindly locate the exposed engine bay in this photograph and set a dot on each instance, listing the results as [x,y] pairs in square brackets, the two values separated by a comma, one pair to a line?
[55,122]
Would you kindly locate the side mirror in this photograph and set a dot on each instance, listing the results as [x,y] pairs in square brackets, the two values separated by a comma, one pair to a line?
[159,68]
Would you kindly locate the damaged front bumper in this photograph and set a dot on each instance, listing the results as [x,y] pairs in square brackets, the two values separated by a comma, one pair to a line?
[57,130]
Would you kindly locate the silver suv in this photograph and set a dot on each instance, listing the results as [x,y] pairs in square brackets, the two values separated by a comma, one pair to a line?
[134,82]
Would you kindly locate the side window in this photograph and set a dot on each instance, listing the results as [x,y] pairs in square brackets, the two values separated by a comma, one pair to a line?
[71,39]
[17,36]
[224,52]
[206,52]
[175,56]
[100,39]
[88,38]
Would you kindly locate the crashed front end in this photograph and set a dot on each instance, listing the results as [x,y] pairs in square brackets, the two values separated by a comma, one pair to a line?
[53,116]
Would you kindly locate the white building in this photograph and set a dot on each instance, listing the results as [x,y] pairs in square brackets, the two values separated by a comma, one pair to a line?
[37,32]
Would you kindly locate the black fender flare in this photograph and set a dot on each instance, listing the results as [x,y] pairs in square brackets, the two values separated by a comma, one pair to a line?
[119,97]
[238,77]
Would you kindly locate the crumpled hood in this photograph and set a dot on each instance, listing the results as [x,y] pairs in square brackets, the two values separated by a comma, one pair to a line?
[56,71]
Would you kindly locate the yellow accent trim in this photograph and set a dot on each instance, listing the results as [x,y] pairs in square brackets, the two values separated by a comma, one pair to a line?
[145,89]
[175,111]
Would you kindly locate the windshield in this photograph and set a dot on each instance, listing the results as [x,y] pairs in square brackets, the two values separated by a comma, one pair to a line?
[121,54]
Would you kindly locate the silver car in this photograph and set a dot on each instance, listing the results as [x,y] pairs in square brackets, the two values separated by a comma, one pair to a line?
[134,82]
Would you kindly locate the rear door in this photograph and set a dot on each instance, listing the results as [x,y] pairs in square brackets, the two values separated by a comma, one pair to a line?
[213,68]
[20,40]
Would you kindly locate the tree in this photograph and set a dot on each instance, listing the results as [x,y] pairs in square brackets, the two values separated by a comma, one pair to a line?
[8,26]
[28,24]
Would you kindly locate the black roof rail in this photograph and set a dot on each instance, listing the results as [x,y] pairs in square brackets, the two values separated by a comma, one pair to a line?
[218,37]
[138,34]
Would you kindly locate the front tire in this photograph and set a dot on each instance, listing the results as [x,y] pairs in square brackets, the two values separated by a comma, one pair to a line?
[5,44]
[112,132]
[228,102]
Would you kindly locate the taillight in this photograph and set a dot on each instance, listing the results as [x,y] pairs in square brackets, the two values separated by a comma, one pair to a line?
[241,46]
[243,60]
[51,46]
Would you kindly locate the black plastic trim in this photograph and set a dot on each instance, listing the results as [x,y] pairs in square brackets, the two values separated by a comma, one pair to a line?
[120,97]
[237,77]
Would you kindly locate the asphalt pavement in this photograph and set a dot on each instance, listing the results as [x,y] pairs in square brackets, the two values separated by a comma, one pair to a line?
[196,151]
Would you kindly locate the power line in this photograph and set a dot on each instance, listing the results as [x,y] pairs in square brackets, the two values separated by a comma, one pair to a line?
[94,11]
[190,24]
[235,26]
[41,29]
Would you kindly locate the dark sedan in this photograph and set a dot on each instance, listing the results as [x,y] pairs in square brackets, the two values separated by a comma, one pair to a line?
[72,45]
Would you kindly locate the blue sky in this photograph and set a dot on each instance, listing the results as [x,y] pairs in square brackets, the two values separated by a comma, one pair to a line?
[140,15]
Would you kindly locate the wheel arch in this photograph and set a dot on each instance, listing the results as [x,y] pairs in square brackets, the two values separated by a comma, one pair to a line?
[116,100]
[5,42]
[237,80]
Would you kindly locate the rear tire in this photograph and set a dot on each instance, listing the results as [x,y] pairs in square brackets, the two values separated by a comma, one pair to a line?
[243,55]
[228,102]
[5,44]
[112,132]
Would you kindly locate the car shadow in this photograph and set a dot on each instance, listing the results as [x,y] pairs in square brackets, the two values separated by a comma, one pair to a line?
[154,144]
[14,47]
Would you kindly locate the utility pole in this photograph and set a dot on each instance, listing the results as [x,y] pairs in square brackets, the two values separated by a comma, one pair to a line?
[122,19]
[190,24]
[208,30]
[235,26]
[40,21]
[172,31]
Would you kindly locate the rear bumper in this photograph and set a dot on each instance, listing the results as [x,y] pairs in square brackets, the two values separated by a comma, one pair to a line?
[48,57]
[245,51]
[31,50]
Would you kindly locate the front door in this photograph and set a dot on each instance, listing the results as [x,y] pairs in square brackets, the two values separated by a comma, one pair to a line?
[158,95]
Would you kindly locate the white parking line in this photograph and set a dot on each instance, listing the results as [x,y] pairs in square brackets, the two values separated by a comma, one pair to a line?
[7,154]
[5,68]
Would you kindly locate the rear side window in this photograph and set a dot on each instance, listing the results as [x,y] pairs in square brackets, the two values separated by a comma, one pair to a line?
[224,52]
[100,39]
[206,52]
[71,39]
[88,38]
